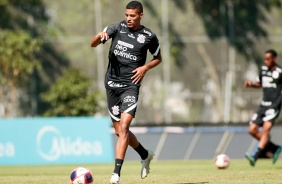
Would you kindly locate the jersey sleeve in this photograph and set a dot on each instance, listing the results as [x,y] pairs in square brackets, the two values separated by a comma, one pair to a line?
[154,47]
[111,30]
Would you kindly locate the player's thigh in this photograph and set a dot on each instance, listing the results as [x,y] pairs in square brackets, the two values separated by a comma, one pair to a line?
[253,128]
[125,121]
[114,103]
[267,125]
[129,101]
[257,119]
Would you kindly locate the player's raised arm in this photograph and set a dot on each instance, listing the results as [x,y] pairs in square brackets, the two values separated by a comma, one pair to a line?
[99,38]
[250,84]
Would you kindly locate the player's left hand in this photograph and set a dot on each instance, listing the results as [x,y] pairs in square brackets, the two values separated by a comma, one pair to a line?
[139,74]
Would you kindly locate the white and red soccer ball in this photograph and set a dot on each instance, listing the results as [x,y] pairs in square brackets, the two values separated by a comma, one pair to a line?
[222,161]
[81,175]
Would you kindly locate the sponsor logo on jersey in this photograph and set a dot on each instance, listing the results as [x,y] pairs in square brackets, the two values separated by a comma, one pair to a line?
[141,38]
[131,35]
[115,84]
[122,32]
[115,110]
[275,74]
[149,33]
[125,44]
[267,82]
[121,50]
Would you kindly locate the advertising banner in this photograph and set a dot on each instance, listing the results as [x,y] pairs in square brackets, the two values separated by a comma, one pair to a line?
[31,141]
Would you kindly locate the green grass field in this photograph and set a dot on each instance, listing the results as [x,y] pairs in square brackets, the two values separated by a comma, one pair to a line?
[168,172]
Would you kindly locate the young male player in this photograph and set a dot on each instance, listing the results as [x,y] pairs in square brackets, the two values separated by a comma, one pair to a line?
[270,79]
[126,70]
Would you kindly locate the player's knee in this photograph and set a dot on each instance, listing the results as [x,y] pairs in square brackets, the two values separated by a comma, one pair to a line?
[265,132]
[123,128]
[116,131]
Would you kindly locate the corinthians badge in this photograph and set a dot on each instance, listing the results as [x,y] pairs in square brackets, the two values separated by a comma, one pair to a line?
[141,38]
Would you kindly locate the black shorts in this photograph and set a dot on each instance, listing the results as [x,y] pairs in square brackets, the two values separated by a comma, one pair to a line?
[122,101]
[265,114]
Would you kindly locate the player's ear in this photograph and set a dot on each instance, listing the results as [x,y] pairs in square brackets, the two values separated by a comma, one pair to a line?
[141,15]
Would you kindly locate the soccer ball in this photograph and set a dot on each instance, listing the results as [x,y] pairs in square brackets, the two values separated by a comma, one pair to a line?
[81,175]
[222,161]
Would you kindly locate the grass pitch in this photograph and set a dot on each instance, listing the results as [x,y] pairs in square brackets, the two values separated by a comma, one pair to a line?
[162,172]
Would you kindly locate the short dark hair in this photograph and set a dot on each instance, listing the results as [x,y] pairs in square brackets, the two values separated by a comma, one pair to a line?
[135,5]
[272,52]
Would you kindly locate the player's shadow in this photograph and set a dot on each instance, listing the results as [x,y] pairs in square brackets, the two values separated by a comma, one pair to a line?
[194,183]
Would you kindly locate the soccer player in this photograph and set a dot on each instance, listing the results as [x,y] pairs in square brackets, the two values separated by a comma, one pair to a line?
[126,70]
[270,79]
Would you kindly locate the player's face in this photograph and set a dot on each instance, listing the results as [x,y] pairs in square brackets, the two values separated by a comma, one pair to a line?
[269,60]
[133,18]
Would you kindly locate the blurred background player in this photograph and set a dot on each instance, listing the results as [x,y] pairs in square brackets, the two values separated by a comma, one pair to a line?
[126,70]
[270,79]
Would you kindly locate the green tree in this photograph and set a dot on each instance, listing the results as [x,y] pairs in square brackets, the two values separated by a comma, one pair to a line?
[19,20]
[17,49]
[70,95]
[240,22]
[16,61]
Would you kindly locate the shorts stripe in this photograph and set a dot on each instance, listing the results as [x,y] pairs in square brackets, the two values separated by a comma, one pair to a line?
[271,116]
[115,118]
[131,107]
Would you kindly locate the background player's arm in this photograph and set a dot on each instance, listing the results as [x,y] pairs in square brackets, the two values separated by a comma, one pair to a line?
[250,84]
[99,38]
[141,71]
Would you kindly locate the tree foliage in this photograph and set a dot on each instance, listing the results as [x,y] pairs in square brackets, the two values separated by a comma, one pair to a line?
[70,96]
[23,28]
[16,57]
[239,21]
[17,62]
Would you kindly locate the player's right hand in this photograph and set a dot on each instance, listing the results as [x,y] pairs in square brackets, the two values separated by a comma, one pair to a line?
[248,84]
[103,36]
